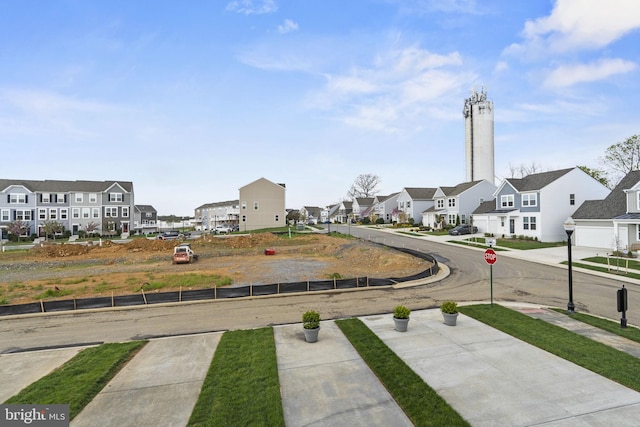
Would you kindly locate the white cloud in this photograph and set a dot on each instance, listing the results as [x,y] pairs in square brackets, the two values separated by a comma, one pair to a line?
[250,7]
[288,26]
[567,75]
[578,25]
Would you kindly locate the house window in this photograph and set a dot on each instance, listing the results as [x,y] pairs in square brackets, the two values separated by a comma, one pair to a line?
[148,214]
[75,213]
[452,203]
[408,204]
[529,222]
[530,199]
[463,219]
[255,206]
[277,218]
[93,198]
[18,198]
[244,218]
[53,214]
[125,212]
[111,212]
[95,212]
[440,203]
[115,197]
[61,198]
[46,197]
[244,205]
[572,199]
[78,197]
[501,221]
[64,214]
[5,215]
[506,201]
[23,215]
[42,214]
[85,212]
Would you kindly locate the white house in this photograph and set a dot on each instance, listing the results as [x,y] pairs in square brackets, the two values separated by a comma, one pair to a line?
[457,203]
[262,205]
[537,205]
[411,202]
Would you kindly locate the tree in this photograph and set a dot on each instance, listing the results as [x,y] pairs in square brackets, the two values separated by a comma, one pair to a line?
[599,175]
[18,228]
[92,228]
[51,228]
[624,156]
[523,170]
[365,185]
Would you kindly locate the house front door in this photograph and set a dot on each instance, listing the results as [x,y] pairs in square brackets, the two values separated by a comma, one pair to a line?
[512,226]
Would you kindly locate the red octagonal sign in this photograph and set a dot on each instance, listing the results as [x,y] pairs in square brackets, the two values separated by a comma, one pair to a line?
[490,256]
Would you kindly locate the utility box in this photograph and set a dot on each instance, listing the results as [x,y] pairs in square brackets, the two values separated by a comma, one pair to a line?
[622,306]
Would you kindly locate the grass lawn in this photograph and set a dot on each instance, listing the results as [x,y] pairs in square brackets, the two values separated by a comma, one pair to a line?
[241,387]
[599,358]
[79,380]
[603,269]
[527,244]
[630,333]
[419,401]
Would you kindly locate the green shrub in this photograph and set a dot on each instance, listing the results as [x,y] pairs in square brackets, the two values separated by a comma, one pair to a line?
[311,319]
[449,307]
[401,312]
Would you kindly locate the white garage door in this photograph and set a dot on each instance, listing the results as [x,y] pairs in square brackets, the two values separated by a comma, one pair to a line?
[594,237]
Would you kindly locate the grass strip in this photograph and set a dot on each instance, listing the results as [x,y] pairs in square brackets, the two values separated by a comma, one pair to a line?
[630,333]
[597,357]
[242,386]
[81,378]
[419,401]
[611,271]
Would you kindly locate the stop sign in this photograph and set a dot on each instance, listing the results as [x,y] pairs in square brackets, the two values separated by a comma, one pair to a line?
[490,256]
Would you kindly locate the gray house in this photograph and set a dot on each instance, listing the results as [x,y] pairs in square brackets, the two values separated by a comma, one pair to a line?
[145,219]
[106,206]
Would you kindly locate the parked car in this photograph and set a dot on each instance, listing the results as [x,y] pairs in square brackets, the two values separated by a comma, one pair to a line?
[170,235]
[222,229]
[463,229]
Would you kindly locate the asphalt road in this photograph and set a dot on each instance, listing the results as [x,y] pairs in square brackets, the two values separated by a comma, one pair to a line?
[513,280]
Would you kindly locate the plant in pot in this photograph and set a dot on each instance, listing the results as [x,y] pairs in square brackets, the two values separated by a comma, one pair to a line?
[401,318]
[449,312]
[311,325]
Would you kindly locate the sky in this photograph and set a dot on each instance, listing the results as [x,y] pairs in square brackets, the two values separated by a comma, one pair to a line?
[192,100]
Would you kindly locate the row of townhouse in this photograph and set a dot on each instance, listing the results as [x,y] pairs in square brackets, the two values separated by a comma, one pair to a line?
[535,206]
[76,205]
[261,204]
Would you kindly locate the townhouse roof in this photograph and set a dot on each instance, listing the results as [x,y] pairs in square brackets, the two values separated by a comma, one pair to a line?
[364,201]
[417,193]
[458,189]
[144,208]
[57,186]
[612,206]
[537,181]
[488,206]
[219,204]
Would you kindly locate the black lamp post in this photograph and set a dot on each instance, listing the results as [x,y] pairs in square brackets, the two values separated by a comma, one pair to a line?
[569,227]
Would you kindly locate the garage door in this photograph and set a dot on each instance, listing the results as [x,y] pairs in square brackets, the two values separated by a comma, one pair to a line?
[594,237]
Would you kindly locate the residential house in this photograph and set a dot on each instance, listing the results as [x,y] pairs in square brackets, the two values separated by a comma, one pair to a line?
[145,219]
[454,205]
[384,206]
[328,213]
[411,202]
[343,213]
[262,205]
[361,207]
[209,215]
[76,205]
[613,222]
[310,214]
[537,205]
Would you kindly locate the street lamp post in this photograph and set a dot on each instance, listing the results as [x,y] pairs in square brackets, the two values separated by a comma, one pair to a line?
[569,227]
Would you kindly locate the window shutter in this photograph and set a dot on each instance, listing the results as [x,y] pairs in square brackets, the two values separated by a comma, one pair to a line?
[14,215]
[65,198]
[8,198]
[26,198]
[40,197]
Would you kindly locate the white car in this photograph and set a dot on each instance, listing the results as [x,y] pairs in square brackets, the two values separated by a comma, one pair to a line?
[222,229]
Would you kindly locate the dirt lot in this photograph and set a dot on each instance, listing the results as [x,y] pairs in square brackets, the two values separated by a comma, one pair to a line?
[71,270]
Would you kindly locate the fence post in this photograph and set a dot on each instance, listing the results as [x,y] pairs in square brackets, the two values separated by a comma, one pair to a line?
[144,297]
[41,305]
[180,295]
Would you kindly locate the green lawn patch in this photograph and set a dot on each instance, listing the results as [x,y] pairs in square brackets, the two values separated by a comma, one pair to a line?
[419,401]
[242,386]
[631,333]
[79,380]
[615,263]
[524,244]
[599,358]
[615,272]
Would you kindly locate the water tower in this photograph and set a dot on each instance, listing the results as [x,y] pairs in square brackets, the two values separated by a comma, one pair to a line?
[478,132]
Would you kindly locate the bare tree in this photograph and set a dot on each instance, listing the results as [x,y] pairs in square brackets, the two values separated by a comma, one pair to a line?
[365,185]
[92,228]
[523,170]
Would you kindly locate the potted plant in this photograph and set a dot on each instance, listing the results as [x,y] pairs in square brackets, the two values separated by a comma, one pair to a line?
[449,312]
[311,325]
[401,318]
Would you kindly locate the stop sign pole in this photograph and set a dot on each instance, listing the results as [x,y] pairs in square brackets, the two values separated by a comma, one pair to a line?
[491,258]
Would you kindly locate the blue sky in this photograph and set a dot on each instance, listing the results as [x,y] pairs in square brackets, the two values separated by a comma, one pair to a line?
[193,100]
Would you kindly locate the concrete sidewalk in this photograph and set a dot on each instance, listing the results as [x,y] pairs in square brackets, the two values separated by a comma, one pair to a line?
[490,378]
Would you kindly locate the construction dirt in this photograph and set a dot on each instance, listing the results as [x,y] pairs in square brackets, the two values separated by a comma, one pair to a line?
[58,271]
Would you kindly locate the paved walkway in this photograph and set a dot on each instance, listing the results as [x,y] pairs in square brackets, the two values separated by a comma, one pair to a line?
[490,378]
